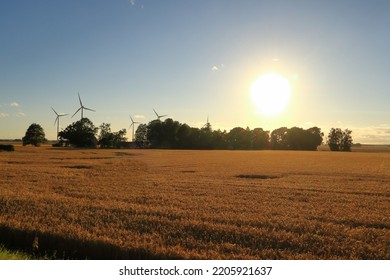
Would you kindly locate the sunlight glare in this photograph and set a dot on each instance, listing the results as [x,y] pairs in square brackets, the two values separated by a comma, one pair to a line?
[271,94]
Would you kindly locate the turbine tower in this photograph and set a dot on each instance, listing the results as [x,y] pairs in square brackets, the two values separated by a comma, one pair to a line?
[82,108]
[132,125]
[57,120]
[159,116]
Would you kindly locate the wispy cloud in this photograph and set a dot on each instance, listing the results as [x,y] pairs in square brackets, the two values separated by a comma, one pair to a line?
[139,116]
[14,104]
[3,115]
[216,68]
[135,4]
[20,114]
[378,134]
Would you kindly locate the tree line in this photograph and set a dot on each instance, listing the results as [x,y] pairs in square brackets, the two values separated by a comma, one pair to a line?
[171,134]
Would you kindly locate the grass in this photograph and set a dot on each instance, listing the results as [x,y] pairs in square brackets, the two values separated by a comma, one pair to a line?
[6,254]
[148,204]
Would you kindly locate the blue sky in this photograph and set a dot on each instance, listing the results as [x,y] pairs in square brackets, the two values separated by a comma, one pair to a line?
[193,59]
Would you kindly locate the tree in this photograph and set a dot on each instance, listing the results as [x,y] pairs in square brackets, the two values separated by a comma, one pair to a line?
[80,134]
[141,139]
[296,138]
[279,139]
[170,129]
[185,137]
[346,140]
[339,140]
[108,139]
[34,135]
[314,138]
[154,133]
[240,138]
[260,139]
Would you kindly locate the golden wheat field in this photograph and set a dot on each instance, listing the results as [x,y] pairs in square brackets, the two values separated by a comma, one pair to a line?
[165,204]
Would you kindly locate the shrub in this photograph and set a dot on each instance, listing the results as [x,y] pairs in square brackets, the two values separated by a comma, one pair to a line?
[8,148]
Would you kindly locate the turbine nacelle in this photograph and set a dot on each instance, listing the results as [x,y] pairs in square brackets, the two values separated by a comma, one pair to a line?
[82,108]
[159,116]
[57,120]
[132,125]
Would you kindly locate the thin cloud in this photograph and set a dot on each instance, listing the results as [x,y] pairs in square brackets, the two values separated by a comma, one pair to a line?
[4,115]
[135,4]
[20,114]
[14,104]
[379,134]
[139,116]
[216,68]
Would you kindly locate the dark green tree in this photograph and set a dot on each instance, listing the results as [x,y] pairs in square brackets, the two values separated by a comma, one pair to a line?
[279,139]
[295,137]
[339,140]
[170,129]
[35,135]
[141,133]
[220,139]
[314,138]
[185,137]
[154,133]
[205,140]
[346,140]
[260,139]
[108,139]
[80,134]
[240,138]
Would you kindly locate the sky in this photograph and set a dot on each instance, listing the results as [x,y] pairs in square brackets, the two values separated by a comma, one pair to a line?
[194,60]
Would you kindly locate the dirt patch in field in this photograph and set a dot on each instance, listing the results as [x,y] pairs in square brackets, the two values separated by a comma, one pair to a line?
[79,166]
[258,176]
[121,154]
[19,162]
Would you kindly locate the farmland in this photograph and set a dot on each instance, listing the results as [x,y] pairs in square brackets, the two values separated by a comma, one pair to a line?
[178,204]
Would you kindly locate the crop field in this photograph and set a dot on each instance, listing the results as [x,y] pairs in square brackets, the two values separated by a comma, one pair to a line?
[177,204]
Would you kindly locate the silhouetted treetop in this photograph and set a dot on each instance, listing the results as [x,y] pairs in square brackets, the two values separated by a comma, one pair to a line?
[35,135]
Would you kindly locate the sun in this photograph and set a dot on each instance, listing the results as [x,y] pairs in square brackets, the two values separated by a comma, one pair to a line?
[271,94]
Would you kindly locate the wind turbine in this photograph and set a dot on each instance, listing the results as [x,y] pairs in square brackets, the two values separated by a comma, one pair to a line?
[57,120]
[82,108]
[159,116]
[132,125]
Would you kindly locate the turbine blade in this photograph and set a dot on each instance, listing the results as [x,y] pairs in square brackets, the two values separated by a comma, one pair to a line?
[76,112]
[81,103]
[54,111]
[163,116]
[56,120]
[131,119]
[155,113]
[89,109]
